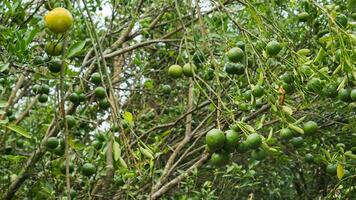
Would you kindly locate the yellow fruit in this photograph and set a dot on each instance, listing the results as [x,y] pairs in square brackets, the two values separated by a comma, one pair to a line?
[59,20]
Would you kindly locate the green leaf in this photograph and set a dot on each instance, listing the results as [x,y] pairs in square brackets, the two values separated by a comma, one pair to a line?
[296,128]
[117,151]
[287,110]
[75,49]
[4,67]
[128,117]
[2,103]
[340,171]
[19,130]
[146,153]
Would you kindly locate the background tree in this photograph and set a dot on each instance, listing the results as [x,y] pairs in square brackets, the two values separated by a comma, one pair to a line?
[173,99]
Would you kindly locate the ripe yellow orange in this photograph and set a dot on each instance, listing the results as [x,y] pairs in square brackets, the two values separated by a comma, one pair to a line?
[59,20]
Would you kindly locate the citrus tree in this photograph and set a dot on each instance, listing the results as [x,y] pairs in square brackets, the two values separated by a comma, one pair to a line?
[168,99]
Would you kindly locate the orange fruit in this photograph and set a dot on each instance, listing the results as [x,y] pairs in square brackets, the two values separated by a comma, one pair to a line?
[59,20]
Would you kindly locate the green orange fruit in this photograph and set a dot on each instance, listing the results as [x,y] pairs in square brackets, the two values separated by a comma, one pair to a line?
[253,141]
[258,91]
[234,68]
[175,71]
[344,94]
[341,20]
[71,122]
[235,54]
[273,48]
[215,139]
[310,127]
[286,133]
[74,98]
[99,92]
[95,78]
[88,169]
[54,48]
[297,142]
[331,169]
[303,16]
[219,159]
[232,140]
[55,66]
[44,89]
[259,154]
[189,69]
[166,89]
[43,98]
[104,104]
[52,143]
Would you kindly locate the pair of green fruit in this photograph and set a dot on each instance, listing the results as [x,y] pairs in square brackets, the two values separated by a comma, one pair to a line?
[176,71]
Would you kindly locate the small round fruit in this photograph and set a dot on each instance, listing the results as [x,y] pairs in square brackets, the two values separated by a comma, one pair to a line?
[215,139]
[259,154]
[314,85]
[95,78]
[235,54]
[286,133]
[59,20]
[104,104]
[63,168]
[44,89]
[247,95]
[232,141]
[59,151]
[166,89]
[242,147]
[43,98]
[11,118]
[287,77]
[344,94]
[74,98]
[20,143]
[353,95]
[175,71]
[52,143]
[219,159]
[55,66]
[310,127]
[330,91]
[234,68]
[331,169]
[309,158]
[100,92]
[38,60]
[253,141]
[297,142]
[341,20]
[258,91]
[71,122]
[81,97]
[273,48]
[88,169]
[54,48]
[188,69]
[303,16]
[288,88]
